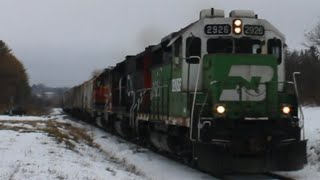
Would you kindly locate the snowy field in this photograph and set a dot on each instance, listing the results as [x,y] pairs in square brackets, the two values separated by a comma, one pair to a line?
[57,147]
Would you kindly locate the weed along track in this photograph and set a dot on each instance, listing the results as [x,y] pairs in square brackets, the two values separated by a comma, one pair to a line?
[62,132]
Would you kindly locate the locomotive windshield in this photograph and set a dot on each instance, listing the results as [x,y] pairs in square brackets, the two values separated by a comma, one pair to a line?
[219,45]
[240,46]
[247,46]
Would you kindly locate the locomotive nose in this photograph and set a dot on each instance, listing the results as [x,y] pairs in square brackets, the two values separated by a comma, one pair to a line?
[245,84]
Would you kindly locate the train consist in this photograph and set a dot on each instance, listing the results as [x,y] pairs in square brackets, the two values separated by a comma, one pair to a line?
[213,93]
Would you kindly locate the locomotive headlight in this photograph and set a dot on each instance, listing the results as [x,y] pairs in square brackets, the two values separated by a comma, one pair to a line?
[237,26]
[286,109]
[221,109]
[237,30]
[237,22]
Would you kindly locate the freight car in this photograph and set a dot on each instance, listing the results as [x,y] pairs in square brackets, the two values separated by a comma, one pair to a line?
[213,93]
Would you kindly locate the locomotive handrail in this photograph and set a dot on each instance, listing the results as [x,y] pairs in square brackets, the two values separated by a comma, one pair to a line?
[149,89]
[134,104]
[132,108]
[206,98]
[194,99]
[159,87]
[294,83]
[120,89]
[146,89]
[294,74]
[202,107]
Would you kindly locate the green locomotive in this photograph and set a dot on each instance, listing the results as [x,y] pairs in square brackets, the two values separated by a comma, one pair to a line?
[213,93]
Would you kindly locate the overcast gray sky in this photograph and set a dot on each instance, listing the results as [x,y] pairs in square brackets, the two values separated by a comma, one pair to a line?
[61,42]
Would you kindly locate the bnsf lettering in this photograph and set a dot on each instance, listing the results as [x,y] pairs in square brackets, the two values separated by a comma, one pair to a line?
[264,72]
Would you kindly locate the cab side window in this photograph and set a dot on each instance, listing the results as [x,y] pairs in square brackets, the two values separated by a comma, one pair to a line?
[275,48]
[193,47]
[177,57]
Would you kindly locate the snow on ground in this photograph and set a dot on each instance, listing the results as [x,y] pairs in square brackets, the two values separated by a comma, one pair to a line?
[312,131]
[29,151]
[24,118]
[153,166]
[59,147]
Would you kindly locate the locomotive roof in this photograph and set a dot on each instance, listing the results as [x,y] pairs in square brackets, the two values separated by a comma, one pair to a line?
[171,38]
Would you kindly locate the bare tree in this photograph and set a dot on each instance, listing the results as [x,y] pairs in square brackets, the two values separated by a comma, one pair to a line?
[313,41]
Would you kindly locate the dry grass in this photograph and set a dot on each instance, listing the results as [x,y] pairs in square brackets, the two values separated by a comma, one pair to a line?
[34,110]
[123,163]
[59,136]
[74,133]
[15,128]
[65,132]
[31,109]
[62,132]
[32,123]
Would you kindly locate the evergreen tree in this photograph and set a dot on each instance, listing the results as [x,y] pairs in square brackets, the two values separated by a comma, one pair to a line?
[14,89]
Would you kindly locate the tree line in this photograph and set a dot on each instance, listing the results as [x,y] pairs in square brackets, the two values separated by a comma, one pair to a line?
[14,81]
[307,62]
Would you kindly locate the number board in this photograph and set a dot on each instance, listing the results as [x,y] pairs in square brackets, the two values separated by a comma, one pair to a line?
[217,29]
[254,30]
